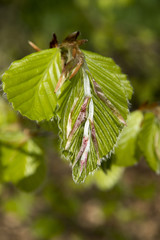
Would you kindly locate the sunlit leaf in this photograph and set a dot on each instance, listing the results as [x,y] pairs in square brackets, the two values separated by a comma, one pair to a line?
[30,83]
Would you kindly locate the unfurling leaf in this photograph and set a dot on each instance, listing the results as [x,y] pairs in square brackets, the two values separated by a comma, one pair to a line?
[92,110]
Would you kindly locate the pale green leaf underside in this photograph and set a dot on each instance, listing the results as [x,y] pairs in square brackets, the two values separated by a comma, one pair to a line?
[125,152]
[30,83]
[149,141]
[107,125]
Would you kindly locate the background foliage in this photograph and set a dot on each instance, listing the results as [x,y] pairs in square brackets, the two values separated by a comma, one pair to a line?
[128,31]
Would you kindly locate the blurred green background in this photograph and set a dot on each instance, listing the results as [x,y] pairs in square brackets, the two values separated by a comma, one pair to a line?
[129,32]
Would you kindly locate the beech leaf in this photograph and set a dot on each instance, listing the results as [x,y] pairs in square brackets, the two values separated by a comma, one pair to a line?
[30,82]
[92,111]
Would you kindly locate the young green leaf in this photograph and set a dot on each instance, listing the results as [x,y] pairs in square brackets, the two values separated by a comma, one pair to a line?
[149,140]
[92,109]
[30,82]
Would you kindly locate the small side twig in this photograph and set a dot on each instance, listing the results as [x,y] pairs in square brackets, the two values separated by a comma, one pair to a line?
[35,47]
